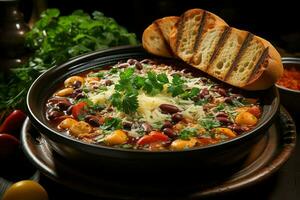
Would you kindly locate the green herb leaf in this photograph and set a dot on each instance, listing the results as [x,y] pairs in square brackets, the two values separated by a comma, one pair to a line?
[163,78]
[112,124]
[220,107]
[209,122]
[55,39]
[130,103]
[176,88]
[187,133]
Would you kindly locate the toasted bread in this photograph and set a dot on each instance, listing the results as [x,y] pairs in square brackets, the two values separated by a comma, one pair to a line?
[188,31]
[237,57]
[156,36]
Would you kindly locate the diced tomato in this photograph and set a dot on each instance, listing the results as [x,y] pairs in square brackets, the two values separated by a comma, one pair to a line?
[254,110]
[78,109]
[153,136]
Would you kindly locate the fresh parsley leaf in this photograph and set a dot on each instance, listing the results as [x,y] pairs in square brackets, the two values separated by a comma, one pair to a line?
[201,102]
[55,39]
[209,122]
[220,107]
[111,124]
[127,74]
[130,103]
[81,117]
[187,133]
[163,78]
[138,82]
[190,94]
[116,100]
[113,71]
[176,88]
[177,80]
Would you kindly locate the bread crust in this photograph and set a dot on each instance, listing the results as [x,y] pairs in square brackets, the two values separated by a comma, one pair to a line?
[270,71]
[156,31]
[265,74]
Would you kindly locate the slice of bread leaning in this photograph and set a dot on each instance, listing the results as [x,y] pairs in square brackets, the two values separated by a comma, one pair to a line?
[237,57]
[156,36]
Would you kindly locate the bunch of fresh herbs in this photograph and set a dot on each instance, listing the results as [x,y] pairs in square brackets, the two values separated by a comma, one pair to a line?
[55,39]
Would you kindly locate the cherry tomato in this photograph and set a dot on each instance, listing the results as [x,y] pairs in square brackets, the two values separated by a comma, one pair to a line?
[154,136]
[13,122]
[8,145]
[254,110]
[25,190]
[78,109]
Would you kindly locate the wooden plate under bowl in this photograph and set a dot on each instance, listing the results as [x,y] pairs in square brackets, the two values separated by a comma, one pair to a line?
[267,157]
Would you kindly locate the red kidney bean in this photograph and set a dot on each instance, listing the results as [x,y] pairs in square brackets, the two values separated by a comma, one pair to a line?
[63,105]
[169,132]
[167,124]
[52,115]
[204,92]
[221,114]
[238,129]
[76,84]
[222,92]
[108,82]
[223,120]
[168,108]
[177,117]
[138,66]
[79,96]
[123,65]
[131,61]
[228,100]
[109,109]
[147,127]
[92,120]
[147,61]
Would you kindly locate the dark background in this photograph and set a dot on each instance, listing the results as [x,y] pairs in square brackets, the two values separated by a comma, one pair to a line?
[277,21]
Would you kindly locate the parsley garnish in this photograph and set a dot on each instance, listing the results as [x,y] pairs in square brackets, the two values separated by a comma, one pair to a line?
[187,133]
[125,96]
[176,88]
[201,102]
[220,107]
[111,124]
[190,94]
[209,122]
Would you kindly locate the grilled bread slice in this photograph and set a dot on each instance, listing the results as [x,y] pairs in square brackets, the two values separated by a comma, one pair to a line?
[156,36]
[188,32]
[234,56]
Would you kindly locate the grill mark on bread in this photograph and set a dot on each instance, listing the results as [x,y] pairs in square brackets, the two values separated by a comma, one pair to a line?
[220,44]
[239,54]
[180,25]
[200,31]
[164,39]
[259,62]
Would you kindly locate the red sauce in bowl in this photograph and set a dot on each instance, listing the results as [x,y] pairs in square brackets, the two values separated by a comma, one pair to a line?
[290,78]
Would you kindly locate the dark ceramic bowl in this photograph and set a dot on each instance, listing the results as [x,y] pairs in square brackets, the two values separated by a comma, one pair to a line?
[288,97]
[213,156]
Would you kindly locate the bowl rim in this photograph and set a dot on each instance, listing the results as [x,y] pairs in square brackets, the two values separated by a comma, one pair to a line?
[289,60]
[83,145]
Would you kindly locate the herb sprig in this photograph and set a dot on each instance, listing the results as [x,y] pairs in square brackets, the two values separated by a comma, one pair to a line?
[55,39]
